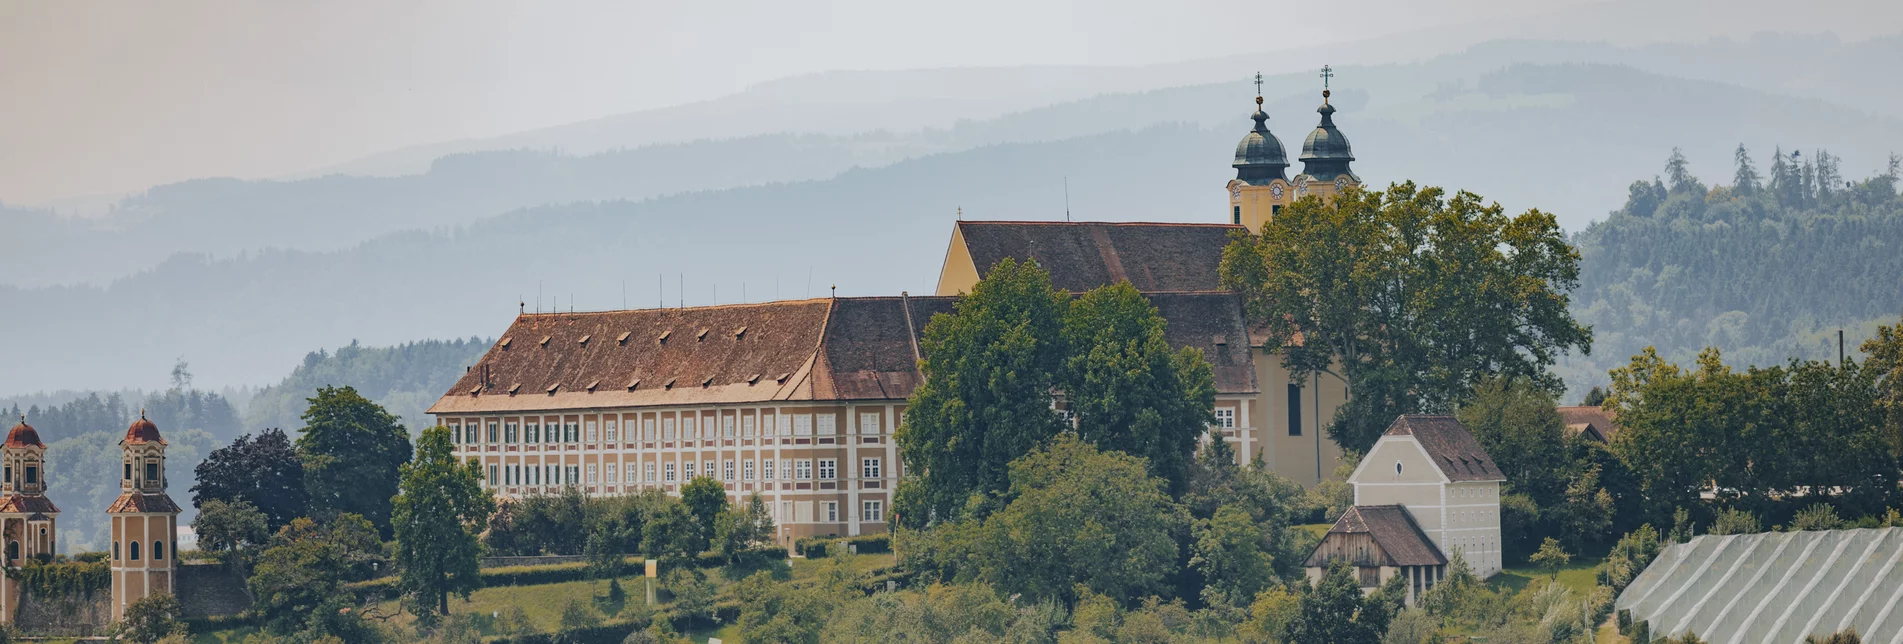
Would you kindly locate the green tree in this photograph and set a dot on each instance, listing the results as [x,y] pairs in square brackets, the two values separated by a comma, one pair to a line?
[1335,612]
[989,369]
[302,572]
[1817,516]
[1228,552]
[603,561]
[1515,421]
[1410,297]
[742,528]
[1551,557]
[1885,360]
[1079,519]
[228,530]
[693,596]
[671,532]
[705,499]
[261,469]
[438,512]
[1127,390]
[153,618]
[352,450]
[1586,514]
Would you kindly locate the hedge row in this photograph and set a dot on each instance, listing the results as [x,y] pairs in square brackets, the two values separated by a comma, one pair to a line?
[386,587]
[817,547]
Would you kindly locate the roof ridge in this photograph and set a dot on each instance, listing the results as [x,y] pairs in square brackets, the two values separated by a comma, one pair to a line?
[1203,224]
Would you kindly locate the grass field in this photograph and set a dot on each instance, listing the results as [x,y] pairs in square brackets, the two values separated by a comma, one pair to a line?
[542,604]
[1579,575]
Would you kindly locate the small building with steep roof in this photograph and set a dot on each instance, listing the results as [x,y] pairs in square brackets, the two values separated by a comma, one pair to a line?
[1589,422]
[28,520]
[1380,542]
[144,521]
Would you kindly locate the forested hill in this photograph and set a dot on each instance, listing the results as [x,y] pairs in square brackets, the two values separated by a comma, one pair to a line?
[1765,266]
[405,379]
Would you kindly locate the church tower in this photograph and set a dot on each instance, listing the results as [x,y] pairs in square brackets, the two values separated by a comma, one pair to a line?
[1261,186]
[1325,155]
[27,517]
[144,521]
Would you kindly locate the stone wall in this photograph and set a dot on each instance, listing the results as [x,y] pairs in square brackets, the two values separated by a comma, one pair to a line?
[65,616]
[211,590]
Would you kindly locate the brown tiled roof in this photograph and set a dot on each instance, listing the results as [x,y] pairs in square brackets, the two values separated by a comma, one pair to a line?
[1211,321]
[23,504]
[1085,255]
[23,435]
[1449,445]
[863,348]
[1393,529]
[1594,422]
[779,344]
[130,502]
[142,431]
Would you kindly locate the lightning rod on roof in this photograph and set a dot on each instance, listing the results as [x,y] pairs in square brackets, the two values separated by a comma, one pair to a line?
[1066,198]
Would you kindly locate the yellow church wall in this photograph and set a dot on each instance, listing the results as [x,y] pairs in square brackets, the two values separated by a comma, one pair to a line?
[1312,456]
[960,273]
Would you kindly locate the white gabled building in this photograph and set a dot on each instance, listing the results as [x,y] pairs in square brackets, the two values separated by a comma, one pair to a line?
[1432,466]
[1425,491]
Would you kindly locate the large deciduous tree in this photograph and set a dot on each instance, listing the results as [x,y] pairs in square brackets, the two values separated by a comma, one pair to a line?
[261,469]
[230,529]
[437,516]
[990,367]
[351,450]
[1128,391]
[1409,296]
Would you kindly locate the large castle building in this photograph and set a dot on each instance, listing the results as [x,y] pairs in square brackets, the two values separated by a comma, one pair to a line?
[798,400]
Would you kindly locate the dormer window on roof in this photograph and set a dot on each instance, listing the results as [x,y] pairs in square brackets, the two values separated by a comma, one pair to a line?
[553,387]
[664,334]
[634,383]
[584,339]
[702,336]
[707,382]
[669,384]
[544,341]
[781,377]
[753,379]
[504,344]
[739,333]
[624,337]
[515,388]
[592,385]
[475,390]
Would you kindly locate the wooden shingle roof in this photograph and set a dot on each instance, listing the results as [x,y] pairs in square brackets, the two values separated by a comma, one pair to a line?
[1401,541]
[1452,448]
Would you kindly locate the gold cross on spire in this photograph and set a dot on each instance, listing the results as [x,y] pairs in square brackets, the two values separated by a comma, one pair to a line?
[1327,73]
[1258,83]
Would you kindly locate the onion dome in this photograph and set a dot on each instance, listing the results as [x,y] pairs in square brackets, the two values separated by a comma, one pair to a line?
[142,431]
[1325,154]
[1260,157]
[23,435]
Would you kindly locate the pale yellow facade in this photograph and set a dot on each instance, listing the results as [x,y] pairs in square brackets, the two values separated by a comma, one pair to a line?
[1461,516]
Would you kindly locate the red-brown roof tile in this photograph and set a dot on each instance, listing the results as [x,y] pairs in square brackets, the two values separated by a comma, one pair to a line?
[23,435]
[143,431]
[136,502]
[1594,422]
[23,504]
[1085,255]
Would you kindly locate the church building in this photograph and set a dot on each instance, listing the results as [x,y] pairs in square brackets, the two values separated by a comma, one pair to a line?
[144,521]
[28,520]
[798,400]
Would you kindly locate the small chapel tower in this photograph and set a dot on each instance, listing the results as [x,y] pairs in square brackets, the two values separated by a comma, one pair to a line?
[1261,187]
[27,517]
[1326,154]
[144,521]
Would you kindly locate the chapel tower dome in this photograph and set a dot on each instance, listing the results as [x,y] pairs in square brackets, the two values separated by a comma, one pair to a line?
[1326,153]
[1260,156]
[23,435]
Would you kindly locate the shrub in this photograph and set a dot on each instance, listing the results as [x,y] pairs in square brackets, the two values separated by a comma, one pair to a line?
[1735,521]
[70,579]
[151,618]
[1819,516]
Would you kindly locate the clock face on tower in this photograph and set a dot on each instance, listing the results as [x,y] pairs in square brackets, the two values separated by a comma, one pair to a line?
[1341,183]
[1235,192]
[1301,185]
[1276,191]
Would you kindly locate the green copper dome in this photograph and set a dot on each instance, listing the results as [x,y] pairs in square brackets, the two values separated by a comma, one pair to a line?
[1260,157]
[1325,154]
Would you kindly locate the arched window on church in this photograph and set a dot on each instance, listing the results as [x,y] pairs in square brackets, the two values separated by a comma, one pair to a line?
[132,551]
[158,550]
[115,551]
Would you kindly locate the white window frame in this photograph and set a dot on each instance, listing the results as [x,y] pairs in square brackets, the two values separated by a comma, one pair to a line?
[747,470]
[669,470]
[647,429]
[667,429]
[726,470]
[826,425]
[613,474]
[593,431]
[1226,417]
[767,470]
[647,469]
[594,474]
[828,469]
[832,511]
[688,471]
[803,469]
[747,423]
[608,430]
[769,425]
[869,422]
[870,468]
[872,511]
[803,425]
[726,426]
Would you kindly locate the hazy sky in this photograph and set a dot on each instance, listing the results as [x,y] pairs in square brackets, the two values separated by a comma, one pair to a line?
[105,97]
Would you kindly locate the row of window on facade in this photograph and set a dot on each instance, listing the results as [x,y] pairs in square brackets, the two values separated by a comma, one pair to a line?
[689,427]
[132,550]
[30,475]
[789,470]
[826,512]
